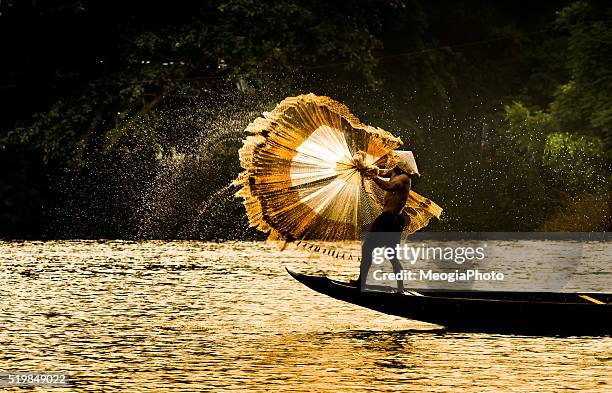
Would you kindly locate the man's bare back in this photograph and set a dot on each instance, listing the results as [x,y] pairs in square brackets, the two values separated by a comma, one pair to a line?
[395,201]
[397,189]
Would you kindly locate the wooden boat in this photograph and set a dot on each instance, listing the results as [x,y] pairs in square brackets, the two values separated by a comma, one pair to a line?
[530,313]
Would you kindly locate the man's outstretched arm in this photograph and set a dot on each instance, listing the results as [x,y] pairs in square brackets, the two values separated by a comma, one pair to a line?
[392,185]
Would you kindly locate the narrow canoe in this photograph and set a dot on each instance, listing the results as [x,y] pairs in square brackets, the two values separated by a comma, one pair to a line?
[531,313]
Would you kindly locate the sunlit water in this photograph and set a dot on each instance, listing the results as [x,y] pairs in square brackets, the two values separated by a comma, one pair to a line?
[195,316]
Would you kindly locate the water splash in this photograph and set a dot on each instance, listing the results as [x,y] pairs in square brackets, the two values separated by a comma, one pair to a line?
[190,196]
[219,198]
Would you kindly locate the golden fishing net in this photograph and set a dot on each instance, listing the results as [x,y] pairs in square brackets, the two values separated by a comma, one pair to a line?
[301,181]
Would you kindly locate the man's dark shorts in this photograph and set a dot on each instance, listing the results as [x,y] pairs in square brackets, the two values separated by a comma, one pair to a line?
[388,222]
[391,223]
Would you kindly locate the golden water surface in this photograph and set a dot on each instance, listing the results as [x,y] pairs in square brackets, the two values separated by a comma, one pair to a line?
[196,316]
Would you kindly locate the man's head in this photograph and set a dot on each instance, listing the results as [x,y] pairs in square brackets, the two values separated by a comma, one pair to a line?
[407,163]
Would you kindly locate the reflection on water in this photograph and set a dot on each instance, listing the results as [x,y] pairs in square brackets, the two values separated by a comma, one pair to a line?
[193,316]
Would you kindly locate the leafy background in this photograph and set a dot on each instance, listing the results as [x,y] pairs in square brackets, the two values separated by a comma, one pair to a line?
[123,120]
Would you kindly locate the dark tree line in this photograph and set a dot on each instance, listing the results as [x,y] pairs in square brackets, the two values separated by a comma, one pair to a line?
[124,120]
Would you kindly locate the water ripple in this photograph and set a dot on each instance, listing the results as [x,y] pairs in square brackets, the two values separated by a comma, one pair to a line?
[193,316]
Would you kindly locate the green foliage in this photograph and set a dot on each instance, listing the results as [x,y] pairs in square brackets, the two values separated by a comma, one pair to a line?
[159,95]
[585,102]
[577,161]
[526,131]
[541,165]
[215,43]
[565,151]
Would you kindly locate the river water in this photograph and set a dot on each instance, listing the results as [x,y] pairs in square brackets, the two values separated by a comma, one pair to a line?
[196,316]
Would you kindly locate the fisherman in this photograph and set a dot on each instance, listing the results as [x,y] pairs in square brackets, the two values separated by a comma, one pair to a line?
[390,221]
